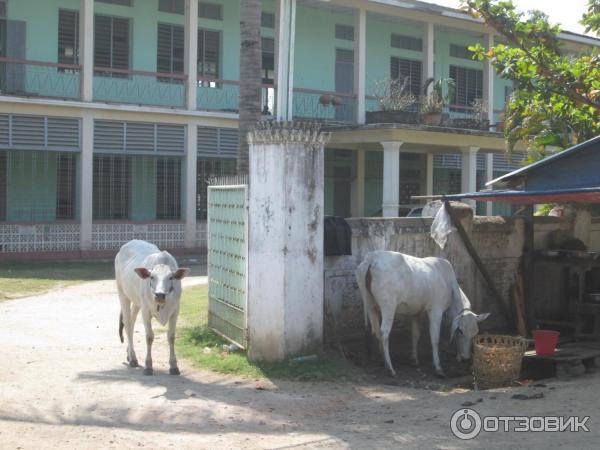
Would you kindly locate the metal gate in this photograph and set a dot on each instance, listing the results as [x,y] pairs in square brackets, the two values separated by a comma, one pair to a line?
[228,262]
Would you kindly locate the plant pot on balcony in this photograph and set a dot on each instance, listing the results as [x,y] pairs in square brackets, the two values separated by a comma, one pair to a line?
[433,119]
[410,117]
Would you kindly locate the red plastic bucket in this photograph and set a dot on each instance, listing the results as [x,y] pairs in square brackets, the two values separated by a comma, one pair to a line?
[545,341]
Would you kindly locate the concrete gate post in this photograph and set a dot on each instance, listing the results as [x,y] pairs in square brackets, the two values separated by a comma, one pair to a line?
[285,248]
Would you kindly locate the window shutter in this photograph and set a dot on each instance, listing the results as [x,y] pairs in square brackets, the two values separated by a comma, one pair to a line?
[460,51]
[164,48]
[468,85]
[117,2]
[267,20]
[209,49]
[4,130]
[63,133]
[171,6]
[208,141]
[3,182]
[178,49]
[170,138]
[210,11]
[344,32]
[120,51]
[139,137]
[408,68]
[16,39]
[28,131]
[68,36]
[109,136]
[102,41]
[407,42]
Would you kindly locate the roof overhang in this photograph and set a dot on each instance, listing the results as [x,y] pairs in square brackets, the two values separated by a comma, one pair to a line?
[534,197]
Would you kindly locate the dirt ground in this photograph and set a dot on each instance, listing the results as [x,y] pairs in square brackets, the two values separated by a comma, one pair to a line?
[64,384]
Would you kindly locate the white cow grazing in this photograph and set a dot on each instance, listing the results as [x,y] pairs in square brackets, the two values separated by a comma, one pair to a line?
[150,280]
[393,283]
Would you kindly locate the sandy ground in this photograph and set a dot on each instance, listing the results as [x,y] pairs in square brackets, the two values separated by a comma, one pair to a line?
[64,384]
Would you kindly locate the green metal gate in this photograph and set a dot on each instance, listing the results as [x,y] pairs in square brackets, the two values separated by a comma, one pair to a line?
[228,262]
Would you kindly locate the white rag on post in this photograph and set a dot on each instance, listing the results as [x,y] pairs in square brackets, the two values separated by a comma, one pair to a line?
[441,227]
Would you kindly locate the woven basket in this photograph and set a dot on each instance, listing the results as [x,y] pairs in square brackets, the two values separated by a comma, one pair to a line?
[497,360]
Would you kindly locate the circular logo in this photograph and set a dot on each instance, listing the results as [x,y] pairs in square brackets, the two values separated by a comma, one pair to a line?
[465,424]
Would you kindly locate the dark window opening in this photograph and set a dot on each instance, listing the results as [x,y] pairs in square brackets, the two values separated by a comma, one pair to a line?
[168,189]
[68,37]
[344,32]
[407,69]
[66,168]
[170,51]
[172,6]
[209,57]
[267,20]
[407,42]
[111,44]
[468,85]
[206,169]
[460,51]
[117,2]
[111,187]
[210,11]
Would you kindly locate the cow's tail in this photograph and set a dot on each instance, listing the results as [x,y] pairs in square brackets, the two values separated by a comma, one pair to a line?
[364,279]
[121,327]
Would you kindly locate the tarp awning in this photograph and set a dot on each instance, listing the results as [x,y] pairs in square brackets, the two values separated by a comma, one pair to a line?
[532,197]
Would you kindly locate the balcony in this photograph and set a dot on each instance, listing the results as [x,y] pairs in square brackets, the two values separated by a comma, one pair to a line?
[217,95]
[323,106]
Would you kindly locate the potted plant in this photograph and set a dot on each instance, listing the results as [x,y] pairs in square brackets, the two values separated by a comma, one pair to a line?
[480,114]
[433,102]
[396,102]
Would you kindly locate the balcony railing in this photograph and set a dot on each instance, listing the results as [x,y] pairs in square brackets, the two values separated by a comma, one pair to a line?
[27,78]
[215,94]
[324,106]
[139,87]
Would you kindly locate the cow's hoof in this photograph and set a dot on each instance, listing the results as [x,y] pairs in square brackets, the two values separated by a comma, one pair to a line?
[174,371]
[133,363]
[414,362]
[148,371]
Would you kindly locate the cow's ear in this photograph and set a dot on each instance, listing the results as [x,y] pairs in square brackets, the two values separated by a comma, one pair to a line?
[482,317]
[142,272]
[181,272]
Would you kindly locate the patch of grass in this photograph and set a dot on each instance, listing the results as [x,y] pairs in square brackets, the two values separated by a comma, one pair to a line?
[21,279]
[194,337]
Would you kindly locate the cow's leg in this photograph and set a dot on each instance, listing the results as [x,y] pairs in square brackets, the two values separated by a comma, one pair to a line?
[387,321]
[374,329]
[173,369]
[128,324]
[416,334]
[435,322]
[149,340]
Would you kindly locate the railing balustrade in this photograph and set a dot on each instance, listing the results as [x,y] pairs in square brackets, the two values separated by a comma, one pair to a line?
[325,106]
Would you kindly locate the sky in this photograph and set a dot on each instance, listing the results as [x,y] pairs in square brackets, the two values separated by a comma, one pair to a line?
[565,12]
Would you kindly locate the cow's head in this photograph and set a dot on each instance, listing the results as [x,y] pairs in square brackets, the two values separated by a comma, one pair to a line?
[464,328]
[162,280]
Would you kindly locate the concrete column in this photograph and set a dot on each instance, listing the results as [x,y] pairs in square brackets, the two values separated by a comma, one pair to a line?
[428,57]
[429,175]
[285,252]
[360,63]
[488,79]
[190,185]
[489,176]
[86,178]
[358,186]
[285,59]
[469,171]
[191,53]
[391,178]
[86,49]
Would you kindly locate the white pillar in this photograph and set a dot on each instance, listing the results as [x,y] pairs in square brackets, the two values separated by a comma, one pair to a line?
[191,52]
[86,49]
[190,185]
[285,59]
[489,176]
[488,77]
[358,186]
[360,63]
[391,178]
[429,174]
[428,69]
[86,178]
[469,171]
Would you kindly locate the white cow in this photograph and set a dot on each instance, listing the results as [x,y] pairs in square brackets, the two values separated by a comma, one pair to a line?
[393,283]
[150,280]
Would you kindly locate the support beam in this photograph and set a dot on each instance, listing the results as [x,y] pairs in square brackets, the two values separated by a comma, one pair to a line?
[191,52]
[86,171]
[429,175]
[358,186]
[86,49]
[469,171]
[360,63]
[286,37]
[391,178]
[428,57]
[190,185]
[489,176]
[488,77]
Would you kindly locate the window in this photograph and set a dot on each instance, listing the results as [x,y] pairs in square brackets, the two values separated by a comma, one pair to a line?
[209,55]
[68,36]
[3,182]
[169,55]
[65,186]
[171,6]
[407,68]
[460,51]
[407,42]
[168,189]
[110,187]
[468,85]
[2,10]
[207,168]
[268,60]
[117,2]
[111,42]
[344,32]
[267,20]
[210,11]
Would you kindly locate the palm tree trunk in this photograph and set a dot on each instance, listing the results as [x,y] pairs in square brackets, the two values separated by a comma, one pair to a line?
[250,76]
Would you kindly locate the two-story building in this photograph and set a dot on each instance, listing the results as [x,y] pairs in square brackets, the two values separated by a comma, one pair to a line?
[114,113]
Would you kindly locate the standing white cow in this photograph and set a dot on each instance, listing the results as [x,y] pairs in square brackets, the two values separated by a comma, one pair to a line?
[150,280]
[393,283]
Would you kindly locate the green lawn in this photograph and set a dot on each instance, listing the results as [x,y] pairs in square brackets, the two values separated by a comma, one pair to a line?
[194,336]
[21,279]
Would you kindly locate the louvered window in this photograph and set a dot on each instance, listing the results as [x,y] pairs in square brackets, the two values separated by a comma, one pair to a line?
[217,142]
[209,56]
[407,68]
[168,189]
[268,60]
[172,6]
[170,51]
[39,132]
[111,44]
[65,186]
[2,10]
[3,182]
[117,2]
[210,11]
[468,85]
[111,187]
[460,51]
[407,42]
[344,32]
[206,169]
[68,37]
[138,137]
[267,20]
